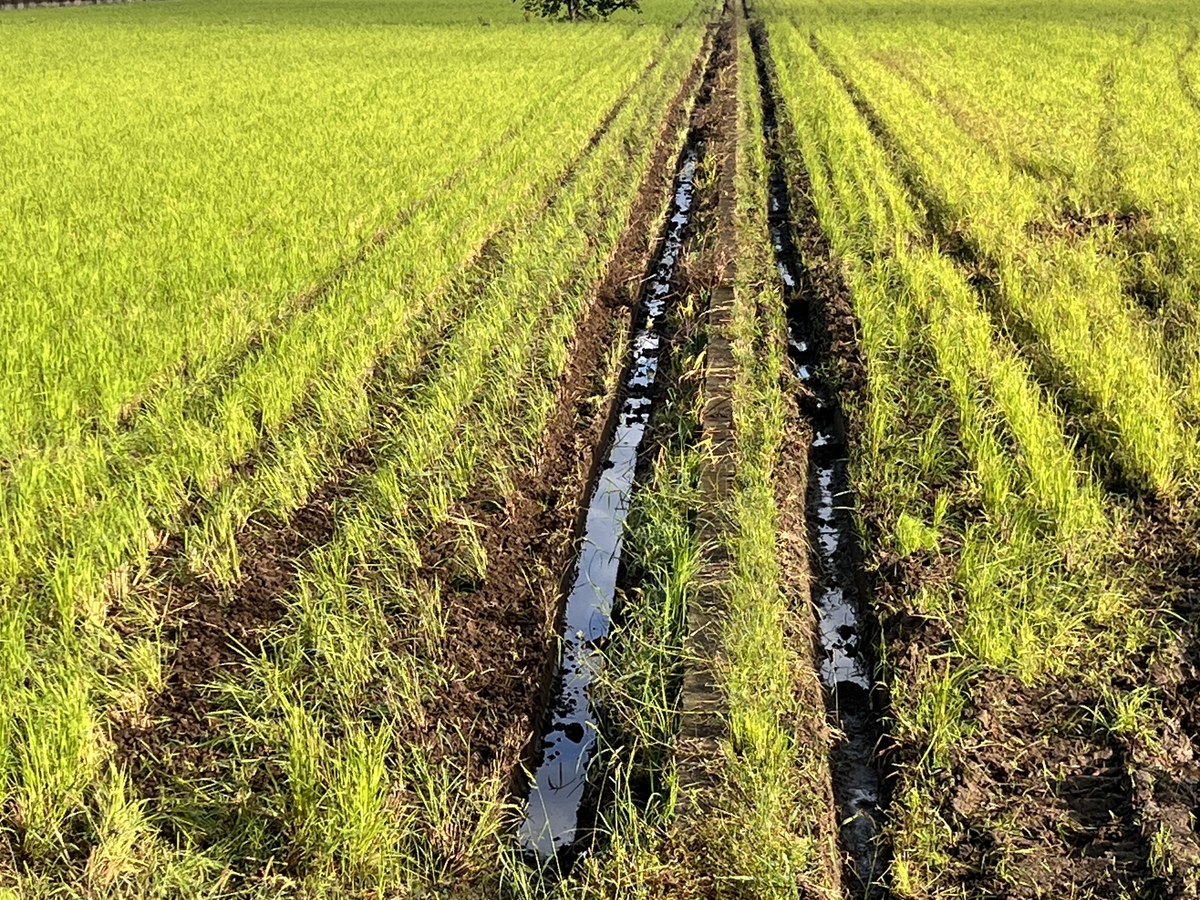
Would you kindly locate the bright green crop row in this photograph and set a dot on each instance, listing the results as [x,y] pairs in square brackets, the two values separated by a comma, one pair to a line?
[1062,157]
[72,512]
[167,198]
[298,230]
[986,183]
[246,229]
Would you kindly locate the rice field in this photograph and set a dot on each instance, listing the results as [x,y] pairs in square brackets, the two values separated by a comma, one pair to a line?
[326,322]
[1008,192]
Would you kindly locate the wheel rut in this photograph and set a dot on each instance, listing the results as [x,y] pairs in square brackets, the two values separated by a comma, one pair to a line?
[565,784]
[821,340]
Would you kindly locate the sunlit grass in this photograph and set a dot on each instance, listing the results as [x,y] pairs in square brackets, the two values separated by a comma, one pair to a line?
[439,345]
[1014,371]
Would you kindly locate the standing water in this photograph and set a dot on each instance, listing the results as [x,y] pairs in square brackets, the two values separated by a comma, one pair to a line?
[845,670]
[552,821]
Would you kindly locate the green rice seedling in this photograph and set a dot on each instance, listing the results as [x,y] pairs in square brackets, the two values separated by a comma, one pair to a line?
[774,784]
[972,415]
[1067,292]
[987,418]
[306,388]
[1132,714]
[639,688]
[1161,858]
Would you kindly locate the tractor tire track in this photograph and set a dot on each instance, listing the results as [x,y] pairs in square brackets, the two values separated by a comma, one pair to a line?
[1073,797]
[822,334]
[566,792]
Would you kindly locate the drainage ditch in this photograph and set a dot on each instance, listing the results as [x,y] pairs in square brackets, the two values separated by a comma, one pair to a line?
[846,667]
[553,827]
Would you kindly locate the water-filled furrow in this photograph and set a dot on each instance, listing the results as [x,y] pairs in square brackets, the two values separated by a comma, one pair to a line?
[553,820]
[846,669]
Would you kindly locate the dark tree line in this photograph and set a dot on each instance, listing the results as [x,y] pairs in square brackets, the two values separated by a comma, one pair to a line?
[578,9]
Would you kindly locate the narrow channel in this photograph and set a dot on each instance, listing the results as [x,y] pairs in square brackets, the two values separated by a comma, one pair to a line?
[846,667]
[553,822]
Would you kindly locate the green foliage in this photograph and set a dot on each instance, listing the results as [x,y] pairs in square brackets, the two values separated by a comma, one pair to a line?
[912,535]
[577,9]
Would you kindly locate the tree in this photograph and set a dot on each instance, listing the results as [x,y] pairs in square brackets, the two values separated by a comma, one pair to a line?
[577,9]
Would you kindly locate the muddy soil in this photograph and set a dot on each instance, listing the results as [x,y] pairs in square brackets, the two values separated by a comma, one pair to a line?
[503,626]
[1166,758]
[571,740]
[707,273]
[215,630]
[796,579]
[561,801]
[1043,792]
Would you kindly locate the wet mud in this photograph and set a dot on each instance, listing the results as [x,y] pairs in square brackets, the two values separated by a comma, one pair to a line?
[499,629]
[555,827]
[1165,756]
[708,273]
[552,821]
[844,629]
